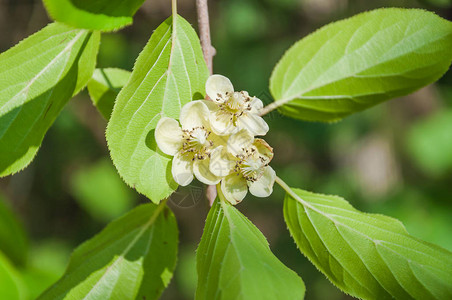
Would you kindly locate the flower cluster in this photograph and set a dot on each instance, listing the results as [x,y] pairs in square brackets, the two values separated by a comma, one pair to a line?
[215,142]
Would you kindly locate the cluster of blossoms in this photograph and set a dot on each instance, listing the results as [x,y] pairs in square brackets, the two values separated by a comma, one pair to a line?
[215,142]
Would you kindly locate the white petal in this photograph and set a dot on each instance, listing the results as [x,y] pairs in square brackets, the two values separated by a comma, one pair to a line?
[168,136]
[239,141]
[221,163]
[194,114]
[263,186]
[221,123]
[255,124]
[217,86]
[234,188]
[182,169]
[264,150]
[202,172]
[212,106]
[256,105]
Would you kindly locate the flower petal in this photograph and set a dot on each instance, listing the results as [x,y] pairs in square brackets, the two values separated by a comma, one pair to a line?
[221,123]
[238,142]
[194,114]
[264,149]
[255,124]
[234,188]
[211,105]
[168,136]
[256,105]
[182,169]
[263,186]
[217,88]
[202,172]
[220,163]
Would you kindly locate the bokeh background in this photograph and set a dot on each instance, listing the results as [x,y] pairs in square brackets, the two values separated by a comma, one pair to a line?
[395,158]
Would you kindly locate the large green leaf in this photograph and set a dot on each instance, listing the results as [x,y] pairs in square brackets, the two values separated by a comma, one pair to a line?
[37,77]
[13,239]
[234,261]
[11,285]
[132,258]
[369,256]
[169,73]
[105,15]
[356,63]
[104,87]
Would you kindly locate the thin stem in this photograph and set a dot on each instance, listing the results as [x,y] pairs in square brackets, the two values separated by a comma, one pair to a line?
[204,33]
[208,53]
[174,7]
[295,196]
[283,185]
[274,105]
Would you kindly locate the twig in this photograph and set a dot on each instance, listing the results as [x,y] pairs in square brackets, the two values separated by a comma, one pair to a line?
[208,52]
[204,33]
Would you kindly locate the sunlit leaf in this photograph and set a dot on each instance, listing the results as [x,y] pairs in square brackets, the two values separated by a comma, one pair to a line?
[353,64]
[11,286]
[37,77]
[13,239]
[234,261]
[101,192]
[369,256]
[169,72]
[105,15]
[104,87]
[132,258]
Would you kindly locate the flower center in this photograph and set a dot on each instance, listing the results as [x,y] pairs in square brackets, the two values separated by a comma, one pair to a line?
[196,142]
[250,164]
[235,106]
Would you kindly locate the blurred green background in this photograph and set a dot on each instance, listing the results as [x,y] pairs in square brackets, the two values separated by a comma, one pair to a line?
[394,159]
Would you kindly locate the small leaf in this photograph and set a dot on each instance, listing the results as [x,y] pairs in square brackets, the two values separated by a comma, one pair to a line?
[101,192]
[104,87]
[105,15]
[369,256]
[132,258]
[13,239]
[37,77]
[430,144]
[356,63]
[169,72]
[234,261]
[11,285]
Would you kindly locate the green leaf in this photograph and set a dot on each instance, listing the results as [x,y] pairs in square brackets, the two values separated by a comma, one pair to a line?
[37,77]
[356,63]
[101,192]
[132,258]
[429,143]
[11,286]
[369,256]
[105,15]
[104,87]
[234,261]
[169,72]
[13,239]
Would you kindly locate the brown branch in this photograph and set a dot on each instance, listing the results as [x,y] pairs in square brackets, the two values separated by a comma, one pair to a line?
[204,33]
[208,52]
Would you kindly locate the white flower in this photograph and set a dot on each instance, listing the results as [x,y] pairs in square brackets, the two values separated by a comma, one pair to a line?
[244,164]
[190,144]
[233,110]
